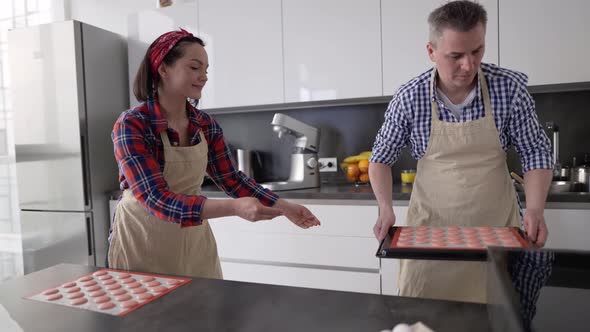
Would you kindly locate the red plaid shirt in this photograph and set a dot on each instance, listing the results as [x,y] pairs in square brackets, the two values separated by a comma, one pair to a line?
[139,152]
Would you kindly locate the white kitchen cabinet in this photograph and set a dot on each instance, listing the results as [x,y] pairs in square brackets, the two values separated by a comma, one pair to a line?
[145,26]
[390,267]
[332,49]
[568,229]
[405,32]
[244,42]
[546,39]
[339,254]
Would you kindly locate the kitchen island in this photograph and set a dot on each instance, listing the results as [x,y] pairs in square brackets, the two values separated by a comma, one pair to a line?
[220,305]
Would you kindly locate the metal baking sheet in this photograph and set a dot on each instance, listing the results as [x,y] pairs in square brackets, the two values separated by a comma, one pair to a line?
[448,243]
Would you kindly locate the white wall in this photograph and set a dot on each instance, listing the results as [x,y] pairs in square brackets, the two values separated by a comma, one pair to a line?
[109,14]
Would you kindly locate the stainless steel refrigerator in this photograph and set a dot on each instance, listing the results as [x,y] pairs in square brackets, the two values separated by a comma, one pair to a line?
[68,83]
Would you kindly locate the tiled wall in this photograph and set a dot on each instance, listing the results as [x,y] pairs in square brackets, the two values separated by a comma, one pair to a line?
[347,130]
[571,111]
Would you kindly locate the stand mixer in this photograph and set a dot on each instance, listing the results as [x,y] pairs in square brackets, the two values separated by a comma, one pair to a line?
[304,171]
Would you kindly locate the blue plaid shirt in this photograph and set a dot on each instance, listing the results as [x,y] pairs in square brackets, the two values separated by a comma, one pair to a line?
[408,118]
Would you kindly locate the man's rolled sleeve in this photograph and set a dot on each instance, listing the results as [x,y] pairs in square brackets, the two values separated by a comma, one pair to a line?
[527,135]
[392,136]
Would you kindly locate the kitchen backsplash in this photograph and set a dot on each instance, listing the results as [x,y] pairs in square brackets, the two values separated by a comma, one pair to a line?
[571,112]
[348,130]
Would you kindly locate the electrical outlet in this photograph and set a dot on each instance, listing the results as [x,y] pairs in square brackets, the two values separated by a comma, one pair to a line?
[328,164]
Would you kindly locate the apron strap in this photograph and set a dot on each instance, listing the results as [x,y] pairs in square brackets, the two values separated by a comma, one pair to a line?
[484,89]
[433,103]
[164,137]
[487,104]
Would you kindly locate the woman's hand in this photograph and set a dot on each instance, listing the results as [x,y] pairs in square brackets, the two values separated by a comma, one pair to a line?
[297,214]
[251,209]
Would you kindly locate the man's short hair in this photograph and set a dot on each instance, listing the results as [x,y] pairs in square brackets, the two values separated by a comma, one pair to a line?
[460,15]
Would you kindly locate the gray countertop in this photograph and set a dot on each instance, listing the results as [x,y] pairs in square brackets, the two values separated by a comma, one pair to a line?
[219,305]
[363,195]
[401,195]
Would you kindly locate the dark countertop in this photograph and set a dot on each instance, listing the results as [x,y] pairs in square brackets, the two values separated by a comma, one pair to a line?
[218,305]
[401,194]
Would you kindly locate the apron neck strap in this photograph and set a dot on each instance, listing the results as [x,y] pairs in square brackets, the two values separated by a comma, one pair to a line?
[484,89]
[164,137]
[433,103]
[485,93]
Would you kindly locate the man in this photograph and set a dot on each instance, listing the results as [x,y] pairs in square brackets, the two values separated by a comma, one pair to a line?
[460,118]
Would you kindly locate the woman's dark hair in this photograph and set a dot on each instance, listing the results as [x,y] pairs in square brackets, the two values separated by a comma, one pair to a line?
[144,85]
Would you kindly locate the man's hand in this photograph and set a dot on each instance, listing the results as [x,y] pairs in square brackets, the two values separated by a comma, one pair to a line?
[381,182]
[297,214]
[536,186]
[384,222]
[535,227]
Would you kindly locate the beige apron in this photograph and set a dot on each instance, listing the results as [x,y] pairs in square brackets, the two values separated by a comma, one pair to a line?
[142,242]
[462,180]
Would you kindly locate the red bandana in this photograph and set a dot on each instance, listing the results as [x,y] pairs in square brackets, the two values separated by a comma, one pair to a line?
[162,46]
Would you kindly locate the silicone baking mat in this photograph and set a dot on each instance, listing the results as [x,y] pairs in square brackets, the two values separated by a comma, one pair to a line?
[110,291]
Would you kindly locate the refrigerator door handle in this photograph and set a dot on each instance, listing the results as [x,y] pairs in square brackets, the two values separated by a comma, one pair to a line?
[89,235]
[84,171]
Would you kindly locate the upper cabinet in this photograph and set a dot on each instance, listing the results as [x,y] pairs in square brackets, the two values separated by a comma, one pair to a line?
[244,42]
[144,27]
[546,39]
[405,35]
[265,52]
[332,49]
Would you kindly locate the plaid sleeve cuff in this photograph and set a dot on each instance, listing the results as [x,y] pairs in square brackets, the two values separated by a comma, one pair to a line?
[267,197]
[382,155]
[249,187]
[539,159]
[192,215]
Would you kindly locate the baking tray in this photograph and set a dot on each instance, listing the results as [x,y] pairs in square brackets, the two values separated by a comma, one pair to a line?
[390,248]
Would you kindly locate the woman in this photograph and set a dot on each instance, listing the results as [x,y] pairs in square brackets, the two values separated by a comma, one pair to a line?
[163,148]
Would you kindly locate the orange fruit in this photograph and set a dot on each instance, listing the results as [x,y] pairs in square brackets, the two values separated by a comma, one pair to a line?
[364,177]
[353,170]
[352,178]
[364,166]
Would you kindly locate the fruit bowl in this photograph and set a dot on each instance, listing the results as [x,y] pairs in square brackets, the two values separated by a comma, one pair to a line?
[357,173]
[356,168]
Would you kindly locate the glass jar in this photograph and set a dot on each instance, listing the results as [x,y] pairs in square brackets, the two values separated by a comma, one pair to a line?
[408,176]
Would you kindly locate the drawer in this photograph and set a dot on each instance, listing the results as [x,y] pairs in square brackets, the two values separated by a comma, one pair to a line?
[312,249]
[339,220]
[568,229]
[389,276]
[350,281]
